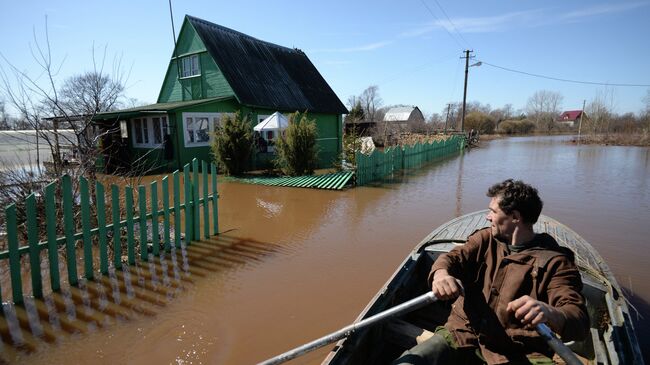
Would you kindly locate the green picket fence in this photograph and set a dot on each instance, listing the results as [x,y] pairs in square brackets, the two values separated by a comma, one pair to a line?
[173,212]
[380,164]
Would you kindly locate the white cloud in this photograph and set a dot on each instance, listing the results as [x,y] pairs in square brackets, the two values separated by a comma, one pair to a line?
[478,24]
[601,9]
[362,48]
[519,19]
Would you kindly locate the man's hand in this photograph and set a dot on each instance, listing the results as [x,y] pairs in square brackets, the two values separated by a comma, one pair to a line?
[532,312]
[445,286]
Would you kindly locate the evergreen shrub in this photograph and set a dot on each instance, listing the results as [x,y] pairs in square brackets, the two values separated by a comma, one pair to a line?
[233,144]
[296,147]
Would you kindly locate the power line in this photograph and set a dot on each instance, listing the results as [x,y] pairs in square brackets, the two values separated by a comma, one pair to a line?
[565,80]
[452,24]
[439,21]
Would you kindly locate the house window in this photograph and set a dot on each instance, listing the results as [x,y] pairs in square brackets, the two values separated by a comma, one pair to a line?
[149,132]
[190,66]
[199,127]
[159,129]
[260,118]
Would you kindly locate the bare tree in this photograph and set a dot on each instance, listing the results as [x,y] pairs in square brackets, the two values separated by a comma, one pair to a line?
[436,122]
[371,102]
[4,122]
[646,102]
[501,114]
[543,107]
[48,106]
[599,112]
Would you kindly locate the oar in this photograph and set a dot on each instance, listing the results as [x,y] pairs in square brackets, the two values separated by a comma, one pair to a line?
[405,307]
[560,348]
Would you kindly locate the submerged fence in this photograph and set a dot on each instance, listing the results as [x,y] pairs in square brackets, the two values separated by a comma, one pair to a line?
[383,163]
[99,239]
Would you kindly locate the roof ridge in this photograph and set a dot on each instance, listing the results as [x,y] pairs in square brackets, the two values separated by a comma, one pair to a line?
[240,34]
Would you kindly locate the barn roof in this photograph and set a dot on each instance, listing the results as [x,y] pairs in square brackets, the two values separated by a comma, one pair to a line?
[570,115]
[400,114]
[264,74]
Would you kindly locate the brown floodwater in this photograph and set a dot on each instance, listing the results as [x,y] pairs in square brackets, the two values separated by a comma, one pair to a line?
[294,264]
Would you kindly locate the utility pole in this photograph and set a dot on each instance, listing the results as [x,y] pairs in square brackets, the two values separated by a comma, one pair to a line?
[467,57]
[581,115]
[447,119]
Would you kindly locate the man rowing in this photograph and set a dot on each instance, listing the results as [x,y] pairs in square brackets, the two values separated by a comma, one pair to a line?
[503,281]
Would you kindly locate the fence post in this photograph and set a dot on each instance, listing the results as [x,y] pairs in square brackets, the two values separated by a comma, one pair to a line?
[85,227]
[215,197]
[154,218]
[14,255]
[142,221]
[195,199]
[188,205]
[206,211]
[101,227]
[117,235]
[34,253]
[177,209]
[165,193]
[68,227]
[130,234]
[52,247]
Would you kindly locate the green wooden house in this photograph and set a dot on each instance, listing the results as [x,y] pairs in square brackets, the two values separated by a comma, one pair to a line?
[214,71]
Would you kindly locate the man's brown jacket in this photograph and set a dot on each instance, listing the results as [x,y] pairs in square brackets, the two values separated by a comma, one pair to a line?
[492,278]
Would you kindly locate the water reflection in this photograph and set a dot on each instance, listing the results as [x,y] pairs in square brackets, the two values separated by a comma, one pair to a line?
[142,290]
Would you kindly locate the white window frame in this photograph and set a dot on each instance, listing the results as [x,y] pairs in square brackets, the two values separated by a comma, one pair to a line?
[193,60]
[213,120]
[261,117]
[148,139]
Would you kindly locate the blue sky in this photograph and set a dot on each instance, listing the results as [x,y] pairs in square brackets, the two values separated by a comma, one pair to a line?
[411,48]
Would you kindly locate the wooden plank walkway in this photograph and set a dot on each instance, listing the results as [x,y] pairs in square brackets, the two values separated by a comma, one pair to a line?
[333,181]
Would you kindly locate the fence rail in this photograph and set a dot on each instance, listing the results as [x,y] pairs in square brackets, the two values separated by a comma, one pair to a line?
[95,235]
[380,164]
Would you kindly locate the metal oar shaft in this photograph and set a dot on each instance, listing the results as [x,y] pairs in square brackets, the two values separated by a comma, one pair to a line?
[560,348]
[405,307]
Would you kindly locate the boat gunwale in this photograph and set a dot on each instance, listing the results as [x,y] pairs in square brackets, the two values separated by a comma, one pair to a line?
[604,271]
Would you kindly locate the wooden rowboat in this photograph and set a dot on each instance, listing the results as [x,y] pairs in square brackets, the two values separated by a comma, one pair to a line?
[612,339]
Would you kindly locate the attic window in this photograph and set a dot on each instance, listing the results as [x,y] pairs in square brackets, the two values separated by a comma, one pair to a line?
[190,65]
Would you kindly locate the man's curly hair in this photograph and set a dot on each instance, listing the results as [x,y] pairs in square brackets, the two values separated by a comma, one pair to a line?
[519,196]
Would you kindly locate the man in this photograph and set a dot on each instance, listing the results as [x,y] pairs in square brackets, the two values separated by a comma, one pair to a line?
[505,280]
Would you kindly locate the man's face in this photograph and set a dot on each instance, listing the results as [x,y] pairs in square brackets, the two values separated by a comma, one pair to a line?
[503,224]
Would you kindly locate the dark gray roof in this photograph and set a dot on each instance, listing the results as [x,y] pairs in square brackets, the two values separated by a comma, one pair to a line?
[263,74]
